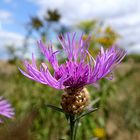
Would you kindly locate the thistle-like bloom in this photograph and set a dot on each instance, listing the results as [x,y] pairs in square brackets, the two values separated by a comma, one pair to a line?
[5,109]
[79,69]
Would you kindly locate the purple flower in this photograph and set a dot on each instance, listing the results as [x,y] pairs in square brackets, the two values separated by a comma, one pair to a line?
[5,109]
[79,69]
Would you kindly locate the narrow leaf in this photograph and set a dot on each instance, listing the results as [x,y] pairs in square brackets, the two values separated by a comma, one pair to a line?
[93,103]
[86,113]
[55,108]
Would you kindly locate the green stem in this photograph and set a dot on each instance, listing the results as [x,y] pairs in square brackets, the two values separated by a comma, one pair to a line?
[72,128]
[76,127]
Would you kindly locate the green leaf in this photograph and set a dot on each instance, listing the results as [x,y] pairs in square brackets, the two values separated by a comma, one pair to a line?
[86,113]
[93,102]
[55,108]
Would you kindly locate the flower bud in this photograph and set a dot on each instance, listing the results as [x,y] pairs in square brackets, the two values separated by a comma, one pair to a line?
[74,100]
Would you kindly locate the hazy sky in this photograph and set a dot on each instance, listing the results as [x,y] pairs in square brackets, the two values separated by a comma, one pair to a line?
[122,15]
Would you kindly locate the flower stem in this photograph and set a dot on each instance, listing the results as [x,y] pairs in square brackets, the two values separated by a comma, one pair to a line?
[72,127]
[75,129]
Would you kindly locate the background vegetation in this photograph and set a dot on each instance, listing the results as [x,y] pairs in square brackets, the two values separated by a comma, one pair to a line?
[118,100]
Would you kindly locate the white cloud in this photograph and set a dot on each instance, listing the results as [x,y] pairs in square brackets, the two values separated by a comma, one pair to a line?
[13,39]
[75,10]
[125,21]
[134,49]
[8,38]
[122,15]
[5,16]
[128,26]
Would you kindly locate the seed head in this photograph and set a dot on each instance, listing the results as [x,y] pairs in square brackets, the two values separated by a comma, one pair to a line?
[74,101]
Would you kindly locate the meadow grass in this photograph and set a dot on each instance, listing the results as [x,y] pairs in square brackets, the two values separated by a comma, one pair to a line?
[119,102]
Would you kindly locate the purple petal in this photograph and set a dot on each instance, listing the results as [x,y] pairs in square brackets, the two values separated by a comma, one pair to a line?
[5,109]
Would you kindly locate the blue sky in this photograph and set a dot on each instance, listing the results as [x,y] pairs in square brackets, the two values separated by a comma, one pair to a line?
[14,15]
[17,14]
[122,15]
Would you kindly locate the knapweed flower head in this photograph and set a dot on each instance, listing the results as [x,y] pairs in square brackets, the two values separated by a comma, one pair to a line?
[78,70]
[5,109]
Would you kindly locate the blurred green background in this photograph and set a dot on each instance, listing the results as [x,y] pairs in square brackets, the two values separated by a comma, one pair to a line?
[118,117]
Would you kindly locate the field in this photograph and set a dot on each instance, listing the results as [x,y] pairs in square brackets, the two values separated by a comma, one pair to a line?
[118,115]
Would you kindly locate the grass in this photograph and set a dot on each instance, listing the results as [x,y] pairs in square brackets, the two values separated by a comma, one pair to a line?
[118,105]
